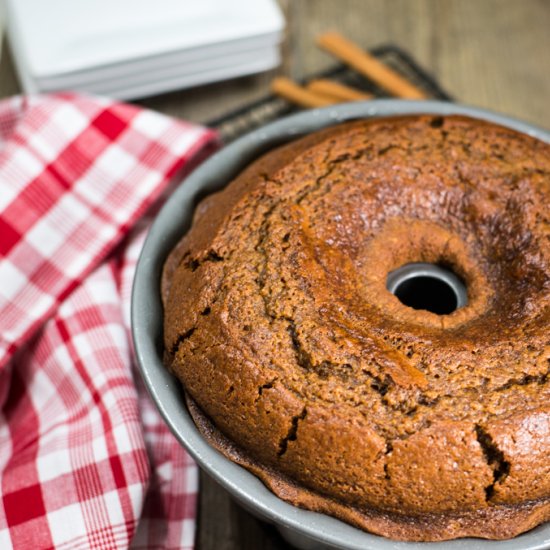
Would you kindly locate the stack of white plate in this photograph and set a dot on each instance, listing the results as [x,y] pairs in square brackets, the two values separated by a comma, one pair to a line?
[134,48]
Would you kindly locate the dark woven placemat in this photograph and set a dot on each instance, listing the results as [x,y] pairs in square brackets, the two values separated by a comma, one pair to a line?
[269,108]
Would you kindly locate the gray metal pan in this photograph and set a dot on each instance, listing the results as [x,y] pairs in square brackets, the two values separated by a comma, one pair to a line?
[304,529]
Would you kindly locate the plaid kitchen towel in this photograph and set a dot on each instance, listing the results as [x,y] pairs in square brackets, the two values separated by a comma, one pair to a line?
[85,459]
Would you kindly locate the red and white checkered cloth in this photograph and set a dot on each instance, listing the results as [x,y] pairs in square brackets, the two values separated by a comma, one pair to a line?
[85,459]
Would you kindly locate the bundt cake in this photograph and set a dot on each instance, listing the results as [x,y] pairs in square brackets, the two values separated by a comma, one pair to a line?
[302,366]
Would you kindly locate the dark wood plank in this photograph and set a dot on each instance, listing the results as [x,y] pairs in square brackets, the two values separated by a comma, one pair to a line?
[225,525]
[8,80]
[492,53]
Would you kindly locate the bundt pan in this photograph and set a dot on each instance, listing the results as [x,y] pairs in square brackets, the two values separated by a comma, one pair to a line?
[303,529]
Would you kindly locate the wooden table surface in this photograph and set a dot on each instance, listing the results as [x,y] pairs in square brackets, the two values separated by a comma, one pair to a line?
[488,53]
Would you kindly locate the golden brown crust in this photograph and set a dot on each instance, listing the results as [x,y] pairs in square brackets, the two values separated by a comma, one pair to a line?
[278,322]
[497,522]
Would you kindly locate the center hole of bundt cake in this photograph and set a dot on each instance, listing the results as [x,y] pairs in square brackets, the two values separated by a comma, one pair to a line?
[427,286]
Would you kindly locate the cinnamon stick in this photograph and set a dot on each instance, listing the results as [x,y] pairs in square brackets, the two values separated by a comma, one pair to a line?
[354,56]
[338,91]
[288,89]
